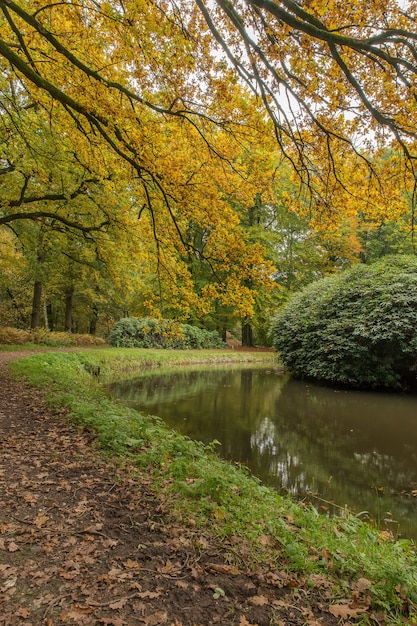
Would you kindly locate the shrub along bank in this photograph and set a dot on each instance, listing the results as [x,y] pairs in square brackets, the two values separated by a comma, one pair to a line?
[357,328]
[146,332]
[218,496]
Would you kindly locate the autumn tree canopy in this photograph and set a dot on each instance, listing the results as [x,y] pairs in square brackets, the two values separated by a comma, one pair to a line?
[342,69]
[168,100]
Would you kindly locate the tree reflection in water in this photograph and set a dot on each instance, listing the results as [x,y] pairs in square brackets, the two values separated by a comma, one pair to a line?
[352,448]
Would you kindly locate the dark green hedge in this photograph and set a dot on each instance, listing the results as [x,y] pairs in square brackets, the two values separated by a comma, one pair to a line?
[134,332]
[357,328]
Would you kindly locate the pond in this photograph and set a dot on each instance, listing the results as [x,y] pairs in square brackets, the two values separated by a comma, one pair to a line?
[335,448]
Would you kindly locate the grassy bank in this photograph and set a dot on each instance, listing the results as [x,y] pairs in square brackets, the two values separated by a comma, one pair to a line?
[205,492]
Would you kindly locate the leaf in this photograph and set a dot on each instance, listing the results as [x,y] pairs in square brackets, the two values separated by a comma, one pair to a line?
[40,520]
[160,617]
[223,568]
[363,584]
[12,547]
[129,564]
[119,604]
[148,594]
[218,593]
[244,622]
[259,600]
[344,611]
[9,583]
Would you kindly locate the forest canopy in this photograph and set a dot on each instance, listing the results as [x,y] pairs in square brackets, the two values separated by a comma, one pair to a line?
[163,127]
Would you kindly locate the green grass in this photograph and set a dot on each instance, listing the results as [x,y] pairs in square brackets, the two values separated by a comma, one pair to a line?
[15,347]
[218,496]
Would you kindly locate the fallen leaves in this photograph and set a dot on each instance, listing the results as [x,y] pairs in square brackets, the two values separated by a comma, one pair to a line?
[259,600]
[244,622]
[345,611]
[160,617]
[9,546]
[222,568]
[359,603]
[87,544]
[8,584]
[40,520]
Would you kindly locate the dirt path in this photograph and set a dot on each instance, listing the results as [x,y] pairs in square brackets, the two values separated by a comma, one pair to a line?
[81,542]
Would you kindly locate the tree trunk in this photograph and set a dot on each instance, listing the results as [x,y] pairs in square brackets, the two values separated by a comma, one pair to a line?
[247,334]
[93,320]
[35,319]
[51,321]
[45,316]
[69,300]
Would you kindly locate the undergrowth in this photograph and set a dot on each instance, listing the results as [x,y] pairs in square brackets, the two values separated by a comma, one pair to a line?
[218,496]
[16,338]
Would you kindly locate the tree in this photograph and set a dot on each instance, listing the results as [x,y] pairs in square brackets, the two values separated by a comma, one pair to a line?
[326,73]
[163,97]
[43,179]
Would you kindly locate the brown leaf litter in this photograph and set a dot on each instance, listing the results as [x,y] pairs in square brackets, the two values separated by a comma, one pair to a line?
[82,542]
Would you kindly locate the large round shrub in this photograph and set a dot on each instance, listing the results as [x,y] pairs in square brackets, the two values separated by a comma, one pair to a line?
[193,337]
[134,332]
[357,328]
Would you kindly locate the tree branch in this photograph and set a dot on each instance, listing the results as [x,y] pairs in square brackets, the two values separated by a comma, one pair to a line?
[36,215]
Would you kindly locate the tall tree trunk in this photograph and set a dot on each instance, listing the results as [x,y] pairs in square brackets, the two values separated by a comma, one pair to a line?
[69,300]
[254,213]
[247,333]
[93,320]
[50,316]
[45,316]
[35,319]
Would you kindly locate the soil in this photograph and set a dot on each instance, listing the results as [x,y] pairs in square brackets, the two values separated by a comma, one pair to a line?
[82,541]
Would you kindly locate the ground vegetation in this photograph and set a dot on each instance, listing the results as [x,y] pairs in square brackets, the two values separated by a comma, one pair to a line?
[212,536]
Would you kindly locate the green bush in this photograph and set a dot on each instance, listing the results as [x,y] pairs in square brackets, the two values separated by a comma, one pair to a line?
[199,338]
[132,332]
[358,328]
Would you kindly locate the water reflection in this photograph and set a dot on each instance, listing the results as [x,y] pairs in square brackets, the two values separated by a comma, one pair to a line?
[352,448]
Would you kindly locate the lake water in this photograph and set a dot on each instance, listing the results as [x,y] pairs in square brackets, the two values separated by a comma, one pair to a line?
[335,448]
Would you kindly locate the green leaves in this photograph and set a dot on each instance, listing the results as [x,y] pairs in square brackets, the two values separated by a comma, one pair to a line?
[358,328]
[132,332]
